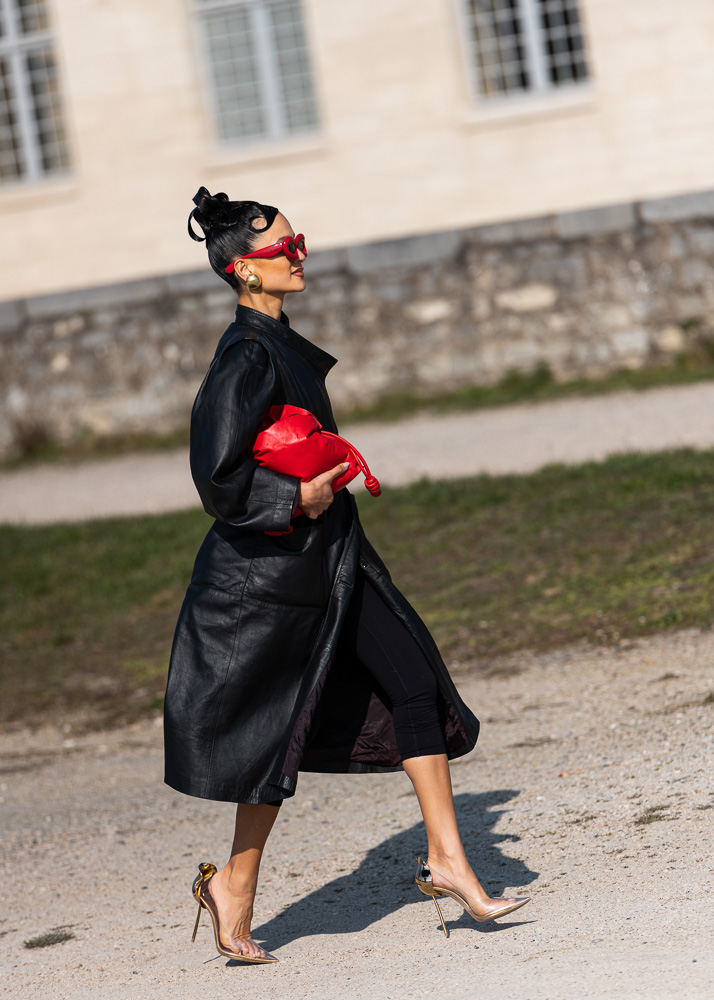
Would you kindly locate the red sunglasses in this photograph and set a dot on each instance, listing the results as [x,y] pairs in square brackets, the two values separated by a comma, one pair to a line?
[290,246]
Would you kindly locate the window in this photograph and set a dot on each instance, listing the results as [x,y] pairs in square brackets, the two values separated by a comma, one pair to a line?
[32,135]
[525,46]
[258,68]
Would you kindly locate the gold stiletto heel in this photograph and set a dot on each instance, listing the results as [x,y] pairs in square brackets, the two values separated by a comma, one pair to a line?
[424,880]
[202,895]
[198,920]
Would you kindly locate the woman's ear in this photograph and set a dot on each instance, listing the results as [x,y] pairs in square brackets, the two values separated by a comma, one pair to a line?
[242,269]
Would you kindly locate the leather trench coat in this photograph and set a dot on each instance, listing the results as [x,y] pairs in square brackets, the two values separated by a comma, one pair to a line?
[256,689]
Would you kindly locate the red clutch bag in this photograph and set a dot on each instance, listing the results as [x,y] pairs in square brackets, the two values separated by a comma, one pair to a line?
[292,441]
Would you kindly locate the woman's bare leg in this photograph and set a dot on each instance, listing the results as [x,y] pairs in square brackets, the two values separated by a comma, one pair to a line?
[233,887]
[431,778]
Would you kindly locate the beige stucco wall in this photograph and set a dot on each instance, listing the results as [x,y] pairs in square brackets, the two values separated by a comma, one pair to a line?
[403,147]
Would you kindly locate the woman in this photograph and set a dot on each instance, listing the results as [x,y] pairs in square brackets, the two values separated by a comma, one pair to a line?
[293,649]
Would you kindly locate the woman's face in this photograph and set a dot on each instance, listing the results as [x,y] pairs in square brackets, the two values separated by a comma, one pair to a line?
[279,274]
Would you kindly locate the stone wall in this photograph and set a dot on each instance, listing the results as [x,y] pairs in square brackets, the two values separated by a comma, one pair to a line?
[583,292]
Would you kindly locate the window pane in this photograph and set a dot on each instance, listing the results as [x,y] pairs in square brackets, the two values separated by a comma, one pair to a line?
[296,93]
[234,73]
[11,160]
[497,37]
[32,15]
[33,141]
[563,40]
[49,134]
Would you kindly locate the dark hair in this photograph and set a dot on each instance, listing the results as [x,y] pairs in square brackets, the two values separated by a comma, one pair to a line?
[228,228]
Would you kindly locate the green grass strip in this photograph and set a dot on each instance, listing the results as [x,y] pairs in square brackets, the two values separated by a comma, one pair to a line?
[598,552]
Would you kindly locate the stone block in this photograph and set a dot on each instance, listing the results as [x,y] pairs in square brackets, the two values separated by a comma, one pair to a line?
[567,271]
[10,315]
[676,247]
[490,359]
[367,258]
[698,205]
[614,316]
[68,325]
[60,362]
[527,298]
[518,231]
[429,311]
[556,350]
[593,221]
[557,322]
[95,338]
[218,300]
[481,308]
[669,339]
[630,342]
[591,354]
[701,239]
[125,293]
[689,306]
[696,273]
[521,354]
[391,291]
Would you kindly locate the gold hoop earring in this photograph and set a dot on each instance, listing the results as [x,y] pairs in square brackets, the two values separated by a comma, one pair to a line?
[254,282]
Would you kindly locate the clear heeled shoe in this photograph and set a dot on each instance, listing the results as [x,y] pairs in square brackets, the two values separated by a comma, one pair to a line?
[424,880]
[202,895]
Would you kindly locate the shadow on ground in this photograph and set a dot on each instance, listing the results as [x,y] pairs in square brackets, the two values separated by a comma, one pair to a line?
[384,882]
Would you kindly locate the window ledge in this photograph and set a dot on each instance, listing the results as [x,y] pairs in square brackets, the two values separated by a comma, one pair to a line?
[25,194]
[526,107]
[267,151]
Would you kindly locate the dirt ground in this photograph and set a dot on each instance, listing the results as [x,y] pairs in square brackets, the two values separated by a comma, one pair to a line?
[590,790]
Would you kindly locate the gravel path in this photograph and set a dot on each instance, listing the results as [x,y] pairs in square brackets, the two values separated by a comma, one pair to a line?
[590,790]
[579,749]
[505,439]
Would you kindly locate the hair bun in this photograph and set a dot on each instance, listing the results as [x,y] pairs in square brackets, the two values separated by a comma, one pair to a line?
[212,211]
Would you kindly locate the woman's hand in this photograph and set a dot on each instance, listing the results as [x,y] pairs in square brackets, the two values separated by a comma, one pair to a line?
[315,495]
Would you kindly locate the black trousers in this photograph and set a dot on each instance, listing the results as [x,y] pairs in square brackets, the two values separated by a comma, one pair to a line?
[373,634]
[384,647]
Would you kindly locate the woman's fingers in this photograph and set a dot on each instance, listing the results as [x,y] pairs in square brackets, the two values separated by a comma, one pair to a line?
[316,494]
[327,477]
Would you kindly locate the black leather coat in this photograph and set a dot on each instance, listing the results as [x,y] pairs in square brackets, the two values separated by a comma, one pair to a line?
[255,691]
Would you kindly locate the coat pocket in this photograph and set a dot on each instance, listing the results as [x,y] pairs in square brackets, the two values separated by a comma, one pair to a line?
[289,569]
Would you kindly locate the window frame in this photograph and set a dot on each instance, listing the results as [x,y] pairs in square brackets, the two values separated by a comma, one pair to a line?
[277,131]
[14,48]
[536,62]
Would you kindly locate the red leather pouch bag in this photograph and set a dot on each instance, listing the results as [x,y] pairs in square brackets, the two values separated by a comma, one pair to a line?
[292,441]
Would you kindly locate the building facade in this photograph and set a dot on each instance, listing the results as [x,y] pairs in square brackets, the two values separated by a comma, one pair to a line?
[485,185]
[362,120]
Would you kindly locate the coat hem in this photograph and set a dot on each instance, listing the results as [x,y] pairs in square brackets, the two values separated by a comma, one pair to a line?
[285,787]
[221,793]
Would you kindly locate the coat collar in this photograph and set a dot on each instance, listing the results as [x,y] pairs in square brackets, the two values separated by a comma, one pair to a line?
[281,330]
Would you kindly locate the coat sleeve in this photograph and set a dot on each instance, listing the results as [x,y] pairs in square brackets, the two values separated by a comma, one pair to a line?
[230,404]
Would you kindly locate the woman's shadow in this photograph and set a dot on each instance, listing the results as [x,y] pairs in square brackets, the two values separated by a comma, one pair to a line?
[384,882]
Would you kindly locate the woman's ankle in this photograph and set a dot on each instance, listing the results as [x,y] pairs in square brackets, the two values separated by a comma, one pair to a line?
[235,905]
[457,873]
[448,859]
[237,880]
